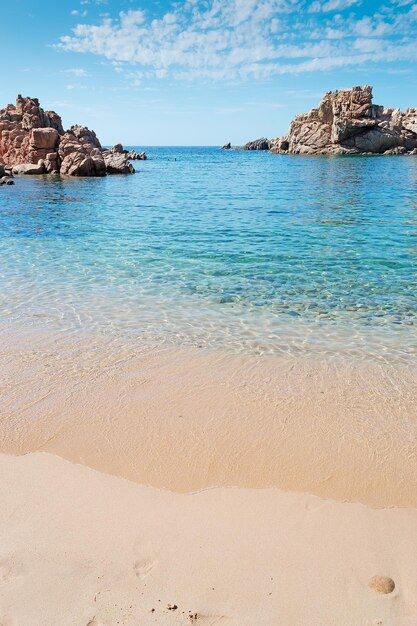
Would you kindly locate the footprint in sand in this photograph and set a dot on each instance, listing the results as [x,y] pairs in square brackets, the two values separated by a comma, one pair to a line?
[8,572]
[8,621]
[143,568]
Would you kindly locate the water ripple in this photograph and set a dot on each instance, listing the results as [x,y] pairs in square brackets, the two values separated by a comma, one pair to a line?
[249,250]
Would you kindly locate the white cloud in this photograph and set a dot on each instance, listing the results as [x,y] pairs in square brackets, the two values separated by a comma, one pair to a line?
[72,87]
[248,39]
[335,33]
[75,71]
[368,45]
[369,27]
[332,5]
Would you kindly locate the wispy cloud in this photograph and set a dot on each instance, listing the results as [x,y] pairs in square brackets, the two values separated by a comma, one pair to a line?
[332,5]
[249,39]
[76,71]
[72,87]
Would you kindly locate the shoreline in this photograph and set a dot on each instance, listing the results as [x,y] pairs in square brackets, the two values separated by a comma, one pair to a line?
[190,419]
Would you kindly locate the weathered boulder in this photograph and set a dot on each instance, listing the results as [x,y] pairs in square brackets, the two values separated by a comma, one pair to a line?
[117,164]
[399,150]
[77,164]
[85,136]
[409,120]
[44,138]
[347,122]
[78,159]
[280,144]
[29,169]
[378,140]
[52,162]
[33,141]
[100,168]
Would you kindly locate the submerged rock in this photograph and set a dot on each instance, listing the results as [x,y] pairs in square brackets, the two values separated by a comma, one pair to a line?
[6,180]
[347,122]
[33,141]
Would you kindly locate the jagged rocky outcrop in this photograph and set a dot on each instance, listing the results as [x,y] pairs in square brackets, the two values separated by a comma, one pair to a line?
[33,141]
[226,146]
[259,144]
[132,155]
[347,122]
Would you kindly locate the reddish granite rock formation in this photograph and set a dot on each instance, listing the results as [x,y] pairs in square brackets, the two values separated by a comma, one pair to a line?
[81,154]
[33,141]
[346,122]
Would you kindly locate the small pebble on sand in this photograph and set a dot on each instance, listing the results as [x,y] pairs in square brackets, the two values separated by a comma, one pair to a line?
[381,584]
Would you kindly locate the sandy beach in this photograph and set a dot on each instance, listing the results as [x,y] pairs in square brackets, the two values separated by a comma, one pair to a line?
[208,313]
[79,547]
[233,448]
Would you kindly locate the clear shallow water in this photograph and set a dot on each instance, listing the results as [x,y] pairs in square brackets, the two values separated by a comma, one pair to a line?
[286,254]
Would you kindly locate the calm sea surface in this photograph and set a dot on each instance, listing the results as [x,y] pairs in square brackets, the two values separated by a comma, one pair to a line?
[246,250]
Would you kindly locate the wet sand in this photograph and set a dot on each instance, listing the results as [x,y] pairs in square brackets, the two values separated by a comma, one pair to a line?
[187,418]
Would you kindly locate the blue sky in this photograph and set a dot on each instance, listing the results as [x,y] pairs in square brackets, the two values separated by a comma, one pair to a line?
[203,72]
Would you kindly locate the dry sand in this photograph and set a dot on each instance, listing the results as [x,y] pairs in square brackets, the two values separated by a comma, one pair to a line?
[82,547]
[79,547]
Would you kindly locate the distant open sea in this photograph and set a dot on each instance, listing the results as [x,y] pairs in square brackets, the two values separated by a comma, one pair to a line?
[249,251]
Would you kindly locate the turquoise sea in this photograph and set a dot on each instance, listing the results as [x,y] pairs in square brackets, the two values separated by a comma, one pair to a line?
[246,250]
